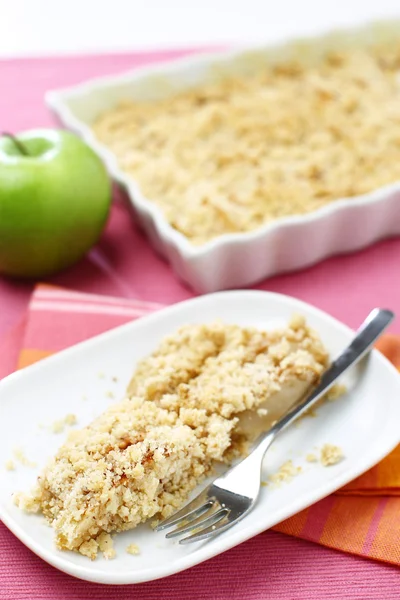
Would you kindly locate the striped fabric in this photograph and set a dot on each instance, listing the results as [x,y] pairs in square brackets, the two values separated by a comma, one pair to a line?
[362,518]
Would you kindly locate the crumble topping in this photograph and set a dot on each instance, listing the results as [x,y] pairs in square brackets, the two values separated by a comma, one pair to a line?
[89,548]
[106,545]
[188,405]
[287,139]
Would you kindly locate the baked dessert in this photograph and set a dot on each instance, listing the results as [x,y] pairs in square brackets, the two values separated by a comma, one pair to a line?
[288,139]
[197,400]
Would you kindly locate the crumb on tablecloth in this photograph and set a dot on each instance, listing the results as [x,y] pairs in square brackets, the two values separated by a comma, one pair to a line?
[109,394]
[9,465]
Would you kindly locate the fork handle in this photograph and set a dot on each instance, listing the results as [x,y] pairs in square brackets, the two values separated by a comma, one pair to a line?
[374,325]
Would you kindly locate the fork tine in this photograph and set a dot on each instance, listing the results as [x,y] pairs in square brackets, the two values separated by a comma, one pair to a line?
[191,511]
[196,521]
[207,527]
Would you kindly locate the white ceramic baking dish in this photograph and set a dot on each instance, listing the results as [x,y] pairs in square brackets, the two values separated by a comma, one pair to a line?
[238,259]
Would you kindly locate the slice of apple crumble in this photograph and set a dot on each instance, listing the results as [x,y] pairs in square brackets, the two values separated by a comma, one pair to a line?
[193,402]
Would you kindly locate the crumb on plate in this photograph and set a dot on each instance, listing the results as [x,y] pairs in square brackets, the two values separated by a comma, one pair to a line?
[262,412]
[133,549]
[330,455]
[311,458]
[337,390]
[285,473]
[59,425]
[22,458]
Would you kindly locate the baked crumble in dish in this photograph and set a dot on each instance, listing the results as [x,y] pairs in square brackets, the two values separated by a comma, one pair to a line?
[198,400]
[288,139]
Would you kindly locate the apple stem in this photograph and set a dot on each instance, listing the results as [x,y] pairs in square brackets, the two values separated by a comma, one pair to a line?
[16,142]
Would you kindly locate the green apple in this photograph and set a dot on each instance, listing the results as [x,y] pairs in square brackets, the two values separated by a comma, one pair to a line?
[55,197]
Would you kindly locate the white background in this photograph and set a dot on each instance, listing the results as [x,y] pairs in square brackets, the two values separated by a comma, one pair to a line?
[41,27]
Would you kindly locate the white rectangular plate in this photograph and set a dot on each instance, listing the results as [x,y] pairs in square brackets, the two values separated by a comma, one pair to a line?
[364,423]
[236,260]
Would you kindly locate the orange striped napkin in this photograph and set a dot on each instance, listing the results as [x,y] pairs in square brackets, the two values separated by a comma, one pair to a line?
[362,518]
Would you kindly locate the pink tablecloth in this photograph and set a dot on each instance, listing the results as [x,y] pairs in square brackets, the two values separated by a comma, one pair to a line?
[273,566]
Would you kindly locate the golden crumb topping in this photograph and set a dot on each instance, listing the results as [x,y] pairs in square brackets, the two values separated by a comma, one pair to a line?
[106,545]
[287,139]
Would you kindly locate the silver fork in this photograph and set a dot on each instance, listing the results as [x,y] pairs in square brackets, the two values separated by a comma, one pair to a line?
[232,496]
